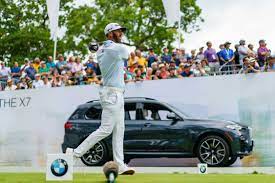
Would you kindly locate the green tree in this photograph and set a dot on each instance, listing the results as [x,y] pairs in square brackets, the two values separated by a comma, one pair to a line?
[145,20]
[24,29]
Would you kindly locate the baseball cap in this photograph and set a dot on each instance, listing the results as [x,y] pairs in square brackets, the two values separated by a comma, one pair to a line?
[242,41]
[252,60]
[112,27]
[227,42]
[262,41]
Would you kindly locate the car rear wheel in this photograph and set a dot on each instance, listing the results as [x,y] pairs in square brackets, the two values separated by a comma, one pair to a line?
[96,156]
[214,151]
[231,160]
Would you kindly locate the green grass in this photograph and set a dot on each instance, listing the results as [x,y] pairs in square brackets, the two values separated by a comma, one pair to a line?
[143,178]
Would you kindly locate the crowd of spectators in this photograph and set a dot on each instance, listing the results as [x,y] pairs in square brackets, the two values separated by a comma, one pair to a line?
[141,65]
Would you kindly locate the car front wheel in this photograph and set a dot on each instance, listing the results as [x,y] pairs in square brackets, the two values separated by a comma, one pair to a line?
[214,151]
[96,156]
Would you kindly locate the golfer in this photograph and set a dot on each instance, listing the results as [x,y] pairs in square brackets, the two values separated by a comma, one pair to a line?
[110,56]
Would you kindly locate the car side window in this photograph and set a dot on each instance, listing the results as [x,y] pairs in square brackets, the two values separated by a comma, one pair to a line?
[130,111]
[94,113]
[163,114]
[155,112]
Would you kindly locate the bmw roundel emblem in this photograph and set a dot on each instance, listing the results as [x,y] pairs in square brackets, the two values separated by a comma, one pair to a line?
[59,167]
[202,169]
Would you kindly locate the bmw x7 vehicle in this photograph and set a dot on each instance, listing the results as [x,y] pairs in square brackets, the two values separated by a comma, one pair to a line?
[155,129]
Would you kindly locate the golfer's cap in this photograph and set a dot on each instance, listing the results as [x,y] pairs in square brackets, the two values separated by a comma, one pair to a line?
[113,26]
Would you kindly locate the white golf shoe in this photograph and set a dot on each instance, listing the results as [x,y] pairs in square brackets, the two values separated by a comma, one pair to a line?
[125,170]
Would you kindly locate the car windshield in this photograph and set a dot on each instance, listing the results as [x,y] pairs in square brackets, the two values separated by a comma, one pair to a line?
[177,110]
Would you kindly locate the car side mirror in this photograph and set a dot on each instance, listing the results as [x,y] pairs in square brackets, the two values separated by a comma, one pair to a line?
[172,115]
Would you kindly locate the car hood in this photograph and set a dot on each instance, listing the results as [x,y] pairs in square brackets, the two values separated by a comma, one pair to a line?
[214,122]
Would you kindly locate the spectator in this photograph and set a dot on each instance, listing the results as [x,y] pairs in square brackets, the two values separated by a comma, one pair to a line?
[200,54]
[46,83]
[187,71]
[29,82]
[61,64]
[132,59]
[206,68]
[250,65]
[91,76]
[128,77]
[212,58]
[242,50]
[149,75]
[25,65]
[193,54]
[43,69]
[4,73]
[172,73]
[263,53]
[251,51]
[70,64]
[50,63]
[157,75]
[199,70]
[227,57]
[141,60]
[36,64]
[152,57]
[91,64]
[37,83]
[163,72]
[154,67]
[15,72]
[219,53]
[10,86]
[133,67]
[138,75]
[57,80]
[271,63]
[183,56]
[166,57]
[78,66]
[237,56]
[23,83]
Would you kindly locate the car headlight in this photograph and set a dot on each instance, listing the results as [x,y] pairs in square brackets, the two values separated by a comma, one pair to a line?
[234,127]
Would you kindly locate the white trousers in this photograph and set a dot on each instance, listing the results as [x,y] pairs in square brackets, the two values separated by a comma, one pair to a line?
[112,121]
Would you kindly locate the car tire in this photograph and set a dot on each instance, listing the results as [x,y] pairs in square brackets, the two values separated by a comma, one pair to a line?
[214,151]
[96,156]
[231,160]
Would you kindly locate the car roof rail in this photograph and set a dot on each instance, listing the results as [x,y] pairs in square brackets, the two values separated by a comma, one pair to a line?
[92,101]
[146,98]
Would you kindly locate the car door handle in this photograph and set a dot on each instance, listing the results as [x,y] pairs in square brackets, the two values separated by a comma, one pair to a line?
[147,124]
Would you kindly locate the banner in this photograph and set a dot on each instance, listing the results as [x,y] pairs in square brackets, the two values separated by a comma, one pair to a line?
[172,11]
[53,12]
[32,121]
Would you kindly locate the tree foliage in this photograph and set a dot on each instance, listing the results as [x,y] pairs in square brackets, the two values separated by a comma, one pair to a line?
[24,28]
[145,20]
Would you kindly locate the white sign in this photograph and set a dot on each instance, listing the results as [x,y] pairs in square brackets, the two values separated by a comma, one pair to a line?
[59,167]
[202,168]
[32,121]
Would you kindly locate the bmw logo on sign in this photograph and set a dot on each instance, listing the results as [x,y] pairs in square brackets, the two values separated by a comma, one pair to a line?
[202,168]
[59,167]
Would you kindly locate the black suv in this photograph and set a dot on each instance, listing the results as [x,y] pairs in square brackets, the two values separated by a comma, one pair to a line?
[157,129]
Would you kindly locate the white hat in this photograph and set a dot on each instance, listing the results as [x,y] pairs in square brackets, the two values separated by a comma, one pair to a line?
[251,60]
[113,26]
